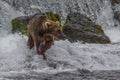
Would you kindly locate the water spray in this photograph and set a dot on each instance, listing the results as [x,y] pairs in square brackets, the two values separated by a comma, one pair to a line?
[38,8]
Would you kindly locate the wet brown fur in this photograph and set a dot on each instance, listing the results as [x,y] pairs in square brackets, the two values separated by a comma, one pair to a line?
[42,33]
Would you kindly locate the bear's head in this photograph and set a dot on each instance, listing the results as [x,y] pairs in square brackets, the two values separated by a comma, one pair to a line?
[54,29]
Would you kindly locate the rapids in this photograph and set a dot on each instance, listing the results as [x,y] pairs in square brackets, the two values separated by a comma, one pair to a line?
[63,56]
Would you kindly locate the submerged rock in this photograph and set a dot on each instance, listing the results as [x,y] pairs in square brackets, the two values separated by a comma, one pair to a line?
[79,27]
[19,24]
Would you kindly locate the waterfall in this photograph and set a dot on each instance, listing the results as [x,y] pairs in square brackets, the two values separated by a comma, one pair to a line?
[15,55]
[100,11]
[7,13]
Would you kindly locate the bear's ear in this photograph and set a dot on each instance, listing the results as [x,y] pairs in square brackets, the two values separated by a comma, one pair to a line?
[57,22]
[47,24]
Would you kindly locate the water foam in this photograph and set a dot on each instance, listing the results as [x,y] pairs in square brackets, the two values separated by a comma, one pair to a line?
[16,56]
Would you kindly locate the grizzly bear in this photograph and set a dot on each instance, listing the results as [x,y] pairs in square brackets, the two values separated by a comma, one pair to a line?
[42,33]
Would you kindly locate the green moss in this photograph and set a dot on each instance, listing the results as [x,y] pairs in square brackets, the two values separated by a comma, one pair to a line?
[23,28]
[98,26]
[108,39]
[99,29]
[89,19]
[98,41]
[15,24]
[19,26]
[54,17]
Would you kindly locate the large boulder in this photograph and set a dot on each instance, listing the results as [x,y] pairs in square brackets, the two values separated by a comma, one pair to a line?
[19,24]
[78,27]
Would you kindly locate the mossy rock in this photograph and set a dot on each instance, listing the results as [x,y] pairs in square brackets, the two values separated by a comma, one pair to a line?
[99,29]
[19,24]
[98,40]
[79,27]
[54,17]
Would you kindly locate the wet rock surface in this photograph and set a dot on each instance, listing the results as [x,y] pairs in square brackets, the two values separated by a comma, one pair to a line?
[82,28]
[77,27]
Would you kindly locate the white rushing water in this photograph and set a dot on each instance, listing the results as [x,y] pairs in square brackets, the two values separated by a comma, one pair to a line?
[15,55]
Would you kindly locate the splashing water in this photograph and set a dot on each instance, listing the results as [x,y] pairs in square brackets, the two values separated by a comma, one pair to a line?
[15,55]
[6,14]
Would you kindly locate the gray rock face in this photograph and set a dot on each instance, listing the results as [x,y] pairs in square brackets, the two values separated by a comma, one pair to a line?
[79,27]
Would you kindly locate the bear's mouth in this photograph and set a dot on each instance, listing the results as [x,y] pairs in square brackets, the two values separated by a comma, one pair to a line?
[53,37]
